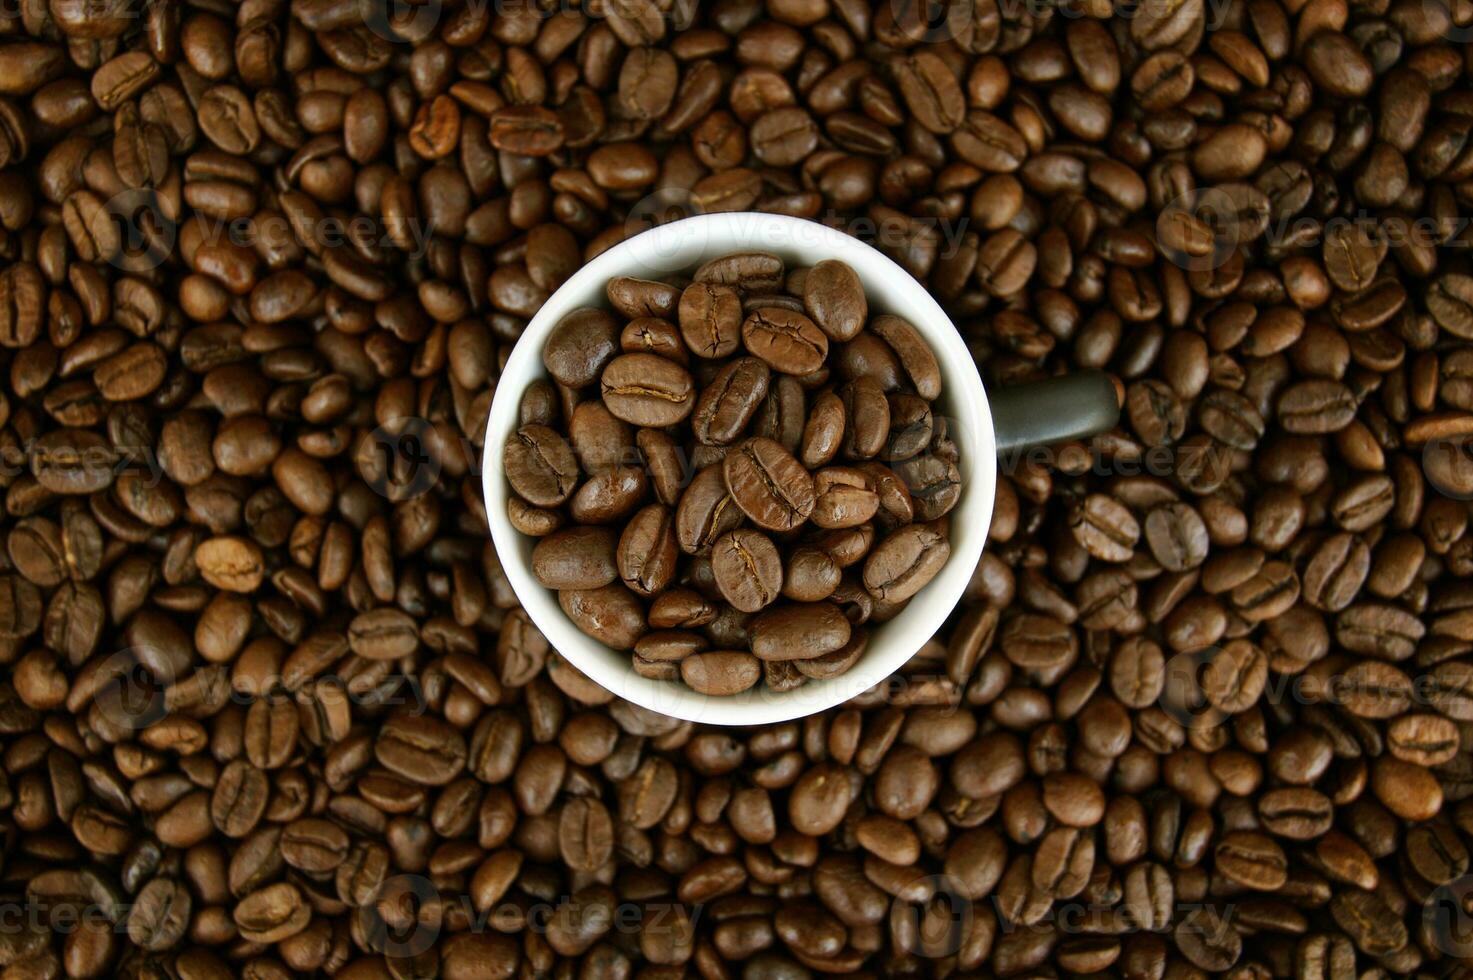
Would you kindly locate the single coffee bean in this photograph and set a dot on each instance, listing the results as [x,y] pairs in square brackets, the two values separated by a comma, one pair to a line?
[866,418]
[787,341]
[705,512]
[643,297]
[272,913]
[905,562]
[727,406]
[914,354]
[421,749]
[673,645]
[768,484]
[834,297]
[934,482]
[612,614]
[751,271]
[710,316]
[1252,860]
[576,558]
[747,569]
[823,432]
[721,672]
[647,390]
[540,465]
[160,915]
[647,554]
[799,631]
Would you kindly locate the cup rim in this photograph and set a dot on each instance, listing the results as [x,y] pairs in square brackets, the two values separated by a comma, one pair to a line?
[648,255]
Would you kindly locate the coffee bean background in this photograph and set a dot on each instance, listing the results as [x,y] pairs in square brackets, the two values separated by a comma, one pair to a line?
[269,707]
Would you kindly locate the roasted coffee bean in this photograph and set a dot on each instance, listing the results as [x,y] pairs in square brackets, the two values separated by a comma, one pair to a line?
[788,342]
[750,271]
[866,418]
[720,672]
[914,354]
[710,318]
[834,297]
[647,555]
[576,558]
[768,484]
[799,631]
[540,466]
[1251,860]
[727,406]
[581,347]
[647,390]
[905,562]
[613,614]
[160,915]
[747,568]
[421,749]
[934,482]
[705,512]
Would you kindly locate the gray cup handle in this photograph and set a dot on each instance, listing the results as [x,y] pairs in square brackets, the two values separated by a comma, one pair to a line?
[1070,406]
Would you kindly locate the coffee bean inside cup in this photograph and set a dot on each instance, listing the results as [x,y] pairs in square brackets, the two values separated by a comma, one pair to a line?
[752,440]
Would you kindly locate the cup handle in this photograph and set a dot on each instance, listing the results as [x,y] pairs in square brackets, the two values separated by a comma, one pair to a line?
[1070,406]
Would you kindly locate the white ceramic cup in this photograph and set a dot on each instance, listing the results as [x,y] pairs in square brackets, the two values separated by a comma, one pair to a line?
[679,247]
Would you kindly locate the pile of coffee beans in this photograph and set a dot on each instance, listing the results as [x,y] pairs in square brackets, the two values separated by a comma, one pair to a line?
[735,473]
[269,707]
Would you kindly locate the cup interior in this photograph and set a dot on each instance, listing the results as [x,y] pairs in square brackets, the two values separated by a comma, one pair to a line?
[677,248]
